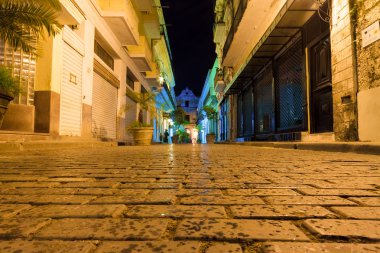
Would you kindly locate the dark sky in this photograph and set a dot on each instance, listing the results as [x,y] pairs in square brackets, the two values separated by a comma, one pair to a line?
[191,38]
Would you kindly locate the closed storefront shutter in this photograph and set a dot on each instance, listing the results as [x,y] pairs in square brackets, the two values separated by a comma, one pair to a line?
[248,111]
[104,108]
[290,87]
[71,92]
[264,103]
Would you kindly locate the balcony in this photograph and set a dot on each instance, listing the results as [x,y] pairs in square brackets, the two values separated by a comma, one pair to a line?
[152,76]
[70,13]
[235,24]
[141,55]
[143,5]
[121,17]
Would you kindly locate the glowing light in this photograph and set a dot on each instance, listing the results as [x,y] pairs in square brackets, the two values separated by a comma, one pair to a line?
[161,79]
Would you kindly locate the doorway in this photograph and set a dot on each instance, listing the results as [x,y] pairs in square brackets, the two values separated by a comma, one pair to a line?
[321,87]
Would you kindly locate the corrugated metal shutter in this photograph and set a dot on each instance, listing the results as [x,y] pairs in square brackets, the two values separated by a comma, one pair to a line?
[71,92]
[264,103]
[104,108]
[290,89]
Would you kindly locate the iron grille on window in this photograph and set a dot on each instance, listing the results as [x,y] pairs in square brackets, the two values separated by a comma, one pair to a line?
[290,89]
[264,103]
[23,67]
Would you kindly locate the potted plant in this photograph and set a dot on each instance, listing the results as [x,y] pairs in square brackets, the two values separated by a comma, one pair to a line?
[142,132]
[179,119]
[212,115]
[9,88]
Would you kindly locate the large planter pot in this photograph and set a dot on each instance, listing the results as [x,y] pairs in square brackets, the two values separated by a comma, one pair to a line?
[175,139]
[142,136]
[210,138]
[4,102]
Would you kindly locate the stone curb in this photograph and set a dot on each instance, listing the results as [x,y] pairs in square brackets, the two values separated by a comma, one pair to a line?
[355,147]
[36,145]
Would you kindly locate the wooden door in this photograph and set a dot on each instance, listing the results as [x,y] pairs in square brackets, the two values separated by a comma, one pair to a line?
[321,87]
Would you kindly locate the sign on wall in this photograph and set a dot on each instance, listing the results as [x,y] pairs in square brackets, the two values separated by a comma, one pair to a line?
[371,34]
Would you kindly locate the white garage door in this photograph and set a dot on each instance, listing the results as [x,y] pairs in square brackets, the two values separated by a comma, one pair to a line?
[104,108]
[71,92]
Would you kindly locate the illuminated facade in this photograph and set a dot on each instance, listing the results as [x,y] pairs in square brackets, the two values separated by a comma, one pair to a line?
[189,102]
[83,84]
[297,70]
[208,98]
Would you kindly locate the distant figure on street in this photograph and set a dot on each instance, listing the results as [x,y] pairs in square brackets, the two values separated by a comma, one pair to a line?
[166,135]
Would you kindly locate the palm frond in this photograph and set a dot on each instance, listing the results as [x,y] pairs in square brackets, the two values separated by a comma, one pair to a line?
[22,23]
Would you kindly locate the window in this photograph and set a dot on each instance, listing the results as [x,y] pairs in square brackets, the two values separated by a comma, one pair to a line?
[130,80]
[23,67]
[106,58]
[187,103]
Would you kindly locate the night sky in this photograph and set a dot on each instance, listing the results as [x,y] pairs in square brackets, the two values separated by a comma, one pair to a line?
[190,29]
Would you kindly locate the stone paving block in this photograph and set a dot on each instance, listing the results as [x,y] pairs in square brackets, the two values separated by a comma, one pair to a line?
[8,210]
[20,246]
[368,229]
[216,185]
[360,212]
[45,199]
[29,185]
[104,229]
[309,200]
[224,248]
[21,178]
[188,192]
[69,179]
[149,186]
[305,247]
[149,247]
[221,200]
[280,211]
[176,211]
[338,192]
[343,185]
[39,191]
[367,201]
[262,192]
[279,186]
[230,229]
[17,227]
[111,191]
[89,185]
[135,199]
[74,211]
[127,179]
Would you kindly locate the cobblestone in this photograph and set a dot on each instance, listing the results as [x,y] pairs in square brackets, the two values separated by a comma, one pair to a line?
[232,230]
[189,199]
[280,211]
[345,228]
[296,247]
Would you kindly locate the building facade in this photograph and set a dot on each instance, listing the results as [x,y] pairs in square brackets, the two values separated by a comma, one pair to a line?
[208,125]
[83,84]
[297,70]
[189,102]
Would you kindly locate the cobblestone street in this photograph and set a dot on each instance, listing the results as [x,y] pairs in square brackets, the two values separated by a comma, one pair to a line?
[189,199]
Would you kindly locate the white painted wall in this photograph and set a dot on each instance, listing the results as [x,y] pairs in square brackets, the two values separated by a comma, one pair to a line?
[369,115]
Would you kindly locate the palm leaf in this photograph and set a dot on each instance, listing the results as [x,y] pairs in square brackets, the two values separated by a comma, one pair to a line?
[22,23]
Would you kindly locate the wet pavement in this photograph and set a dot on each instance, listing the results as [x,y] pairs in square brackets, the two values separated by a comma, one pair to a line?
[189,199]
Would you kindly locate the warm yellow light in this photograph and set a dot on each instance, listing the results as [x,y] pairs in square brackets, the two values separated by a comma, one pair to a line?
[161,80]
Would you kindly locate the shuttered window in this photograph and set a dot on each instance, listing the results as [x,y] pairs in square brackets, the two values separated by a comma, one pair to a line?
[104,108]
